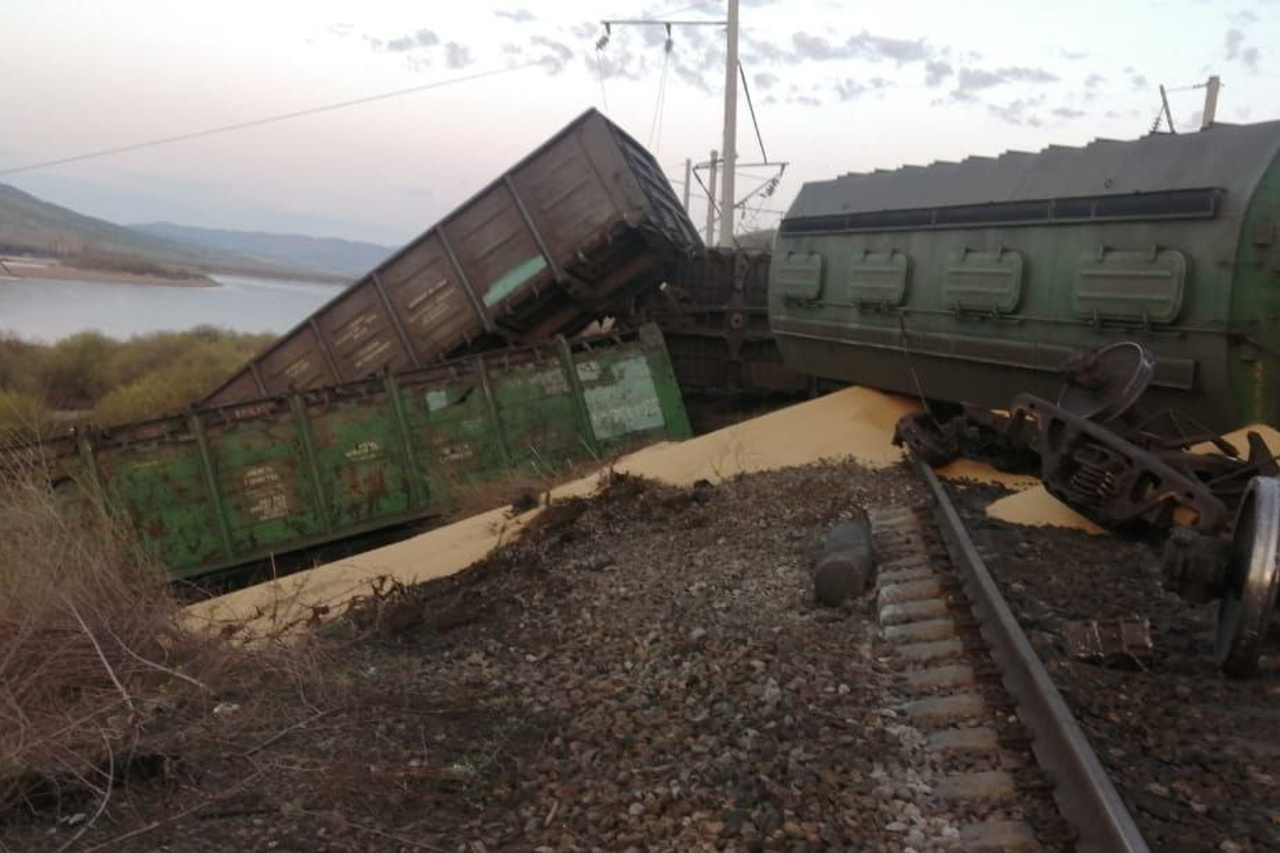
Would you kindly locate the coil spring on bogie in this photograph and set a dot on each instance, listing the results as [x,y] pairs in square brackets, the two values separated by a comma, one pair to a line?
[1094,478]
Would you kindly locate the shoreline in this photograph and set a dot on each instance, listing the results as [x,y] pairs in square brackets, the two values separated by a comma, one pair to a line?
[38,269]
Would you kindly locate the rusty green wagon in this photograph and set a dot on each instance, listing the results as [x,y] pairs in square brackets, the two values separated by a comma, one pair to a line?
[226,486]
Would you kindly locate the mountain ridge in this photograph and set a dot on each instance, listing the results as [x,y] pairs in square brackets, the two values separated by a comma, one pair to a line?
[30,225]
[333,255]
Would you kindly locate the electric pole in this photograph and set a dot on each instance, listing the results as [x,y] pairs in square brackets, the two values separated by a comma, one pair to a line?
[688,178]
[729,152]
[730,146]
[1211,87]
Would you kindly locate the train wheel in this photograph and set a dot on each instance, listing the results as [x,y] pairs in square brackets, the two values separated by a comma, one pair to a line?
[924,437]
[1105,384]
[1252,579]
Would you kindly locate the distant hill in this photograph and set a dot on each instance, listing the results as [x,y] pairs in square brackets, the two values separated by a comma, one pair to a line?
[321,254]
[28,224]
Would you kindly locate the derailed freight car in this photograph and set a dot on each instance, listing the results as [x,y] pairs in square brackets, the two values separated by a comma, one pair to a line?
[584,221]
[226,486]
[973,281]
[714,314]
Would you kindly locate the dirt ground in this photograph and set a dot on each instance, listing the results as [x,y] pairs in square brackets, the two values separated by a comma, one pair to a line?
[1192,752]
[645,670]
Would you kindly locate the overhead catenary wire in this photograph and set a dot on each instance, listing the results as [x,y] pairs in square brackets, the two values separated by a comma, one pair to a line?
[655,126]
[258,122]
[711,200]
[702,5]
[604,96]
[662,104]
[746,90]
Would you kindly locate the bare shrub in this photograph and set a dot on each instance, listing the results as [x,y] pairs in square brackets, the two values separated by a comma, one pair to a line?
[97,667]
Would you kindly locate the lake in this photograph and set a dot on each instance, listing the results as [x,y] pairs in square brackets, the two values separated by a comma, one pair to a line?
[47,310]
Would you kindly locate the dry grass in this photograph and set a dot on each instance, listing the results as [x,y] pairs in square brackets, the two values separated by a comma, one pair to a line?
[98,675]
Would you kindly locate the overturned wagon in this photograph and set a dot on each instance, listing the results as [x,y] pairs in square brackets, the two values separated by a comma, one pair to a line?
[973,281]
[225,486]
[581,223]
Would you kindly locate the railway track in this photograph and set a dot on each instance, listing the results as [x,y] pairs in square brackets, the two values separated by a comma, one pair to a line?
[1004,747]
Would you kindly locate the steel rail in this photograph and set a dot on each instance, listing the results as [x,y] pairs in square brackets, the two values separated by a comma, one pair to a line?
[1081,788]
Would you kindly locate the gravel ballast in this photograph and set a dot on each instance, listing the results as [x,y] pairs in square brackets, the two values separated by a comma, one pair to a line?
[645,670]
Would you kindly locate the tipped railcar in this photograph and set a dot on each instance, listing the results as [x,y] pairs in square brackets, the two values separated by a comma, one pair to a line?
[583,222]
[973,281]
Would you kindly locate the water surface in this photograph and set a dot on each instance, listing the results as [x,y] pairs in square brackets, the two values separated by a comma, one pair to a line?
[46,309]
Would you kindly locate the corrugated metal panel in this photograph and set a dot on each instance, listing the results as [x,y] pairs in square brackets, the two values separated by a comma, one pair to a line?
[361,334]
[1228,156]
[429,298]
[583,222]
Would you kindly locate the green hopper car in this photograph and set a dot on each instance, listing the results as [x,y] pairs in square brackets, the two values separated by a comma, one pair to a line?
[221,487]
[972,281]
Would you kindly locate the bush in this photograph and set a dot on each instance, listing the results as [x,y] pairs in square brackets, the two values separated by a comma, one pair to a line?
[90,643]
[101,670]
[134,264]
[90,377]
[22,418]
[168,388]
[76,371]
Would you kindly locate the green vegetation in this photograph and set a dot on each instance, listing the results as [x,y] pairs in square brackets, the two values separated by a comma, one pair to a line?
[90,378]
[132,264]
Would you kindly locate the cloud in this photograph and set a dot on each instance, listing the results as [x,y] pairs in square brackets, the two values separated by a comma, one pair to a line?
[765,80]
[1235,38]
[897,50]
[457,56]
[520,16]
[807,47]
[849,89]
[1069,113]
[971,80]
[935,72]
[1071,54]
[1237,50]
[422,38]
[1139,82]
[1093,81]
[1018,112]
[551,54]
[632,53]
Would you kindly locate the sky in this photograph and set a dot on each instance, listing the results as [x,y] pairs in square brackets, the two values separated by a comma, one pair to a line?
[836,87]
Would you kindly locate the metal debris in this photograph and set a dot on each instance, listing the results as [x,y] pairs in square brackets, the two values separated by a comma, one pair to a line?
[1120,643]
